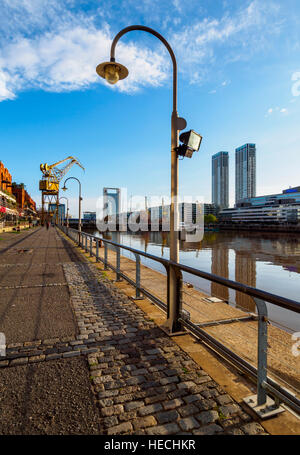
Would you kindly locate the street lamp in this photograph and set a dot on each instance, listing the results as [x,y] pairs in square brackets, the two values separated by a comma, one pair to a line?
[63,197]
[113,72]
[79,208]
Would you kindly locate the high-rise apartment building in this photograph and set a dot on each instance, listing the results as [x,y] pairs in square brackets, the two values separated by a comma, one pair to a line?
[245,172]
[220,180]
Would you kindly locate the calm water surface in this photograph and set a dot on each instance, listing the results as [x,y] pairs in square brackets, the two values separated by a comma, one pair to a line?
[267,261]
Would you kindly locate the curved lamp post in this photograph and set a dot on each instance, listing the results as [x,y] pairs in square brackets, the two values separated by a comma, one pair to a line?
[113,72]
[79,208]
[63,197]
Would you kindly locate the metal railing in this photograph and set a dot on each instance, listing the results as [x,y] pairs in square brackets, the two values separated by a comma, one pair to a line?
[265,384]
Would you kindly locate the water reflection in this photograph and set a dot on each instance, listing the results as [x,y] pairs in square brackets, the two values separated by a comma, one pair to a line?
[268,261]
[220,266]
[245,272]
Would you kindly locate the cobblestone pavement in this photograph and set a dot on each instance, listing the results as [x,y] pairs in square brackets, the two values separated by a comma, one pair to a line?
[142,382]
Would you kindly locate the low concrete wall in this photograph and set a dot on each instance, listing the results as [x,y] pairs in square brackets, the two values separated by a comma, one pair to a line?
[258,227]
[14,228]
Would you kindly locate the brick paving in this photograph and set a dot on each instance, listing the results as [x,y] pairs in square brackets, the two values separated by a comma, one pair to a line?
[143,383]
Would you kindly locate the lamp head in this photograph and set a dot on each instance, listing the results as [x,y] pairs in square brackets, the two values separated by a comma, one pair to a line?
[64,188]
[191,143]
[112,71]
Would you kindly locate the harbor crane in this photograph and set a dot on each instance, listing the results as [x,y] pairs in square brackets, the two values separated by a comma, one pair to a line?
[49,184]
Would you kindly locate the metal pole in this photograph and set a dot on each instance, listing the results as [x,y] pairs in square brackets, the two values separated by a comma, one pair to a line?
[174,243]
[105,256]
[262,350]
[97,250]
[79,220]
[176,125]
[118,261]
[57,208]
[137,277]
[79,208]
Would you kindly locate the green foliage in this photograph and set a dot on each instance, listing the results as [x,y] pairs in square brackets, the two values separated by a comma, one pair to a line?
[221,415]
[18,185]
[210,219]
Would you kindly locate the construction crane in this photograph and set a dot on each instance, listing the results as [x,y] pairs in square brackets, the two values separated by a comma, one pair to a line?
[49,184]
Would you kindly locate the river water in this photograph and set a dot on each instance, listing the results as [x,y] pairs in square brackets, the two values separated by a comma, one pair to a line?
[268,261]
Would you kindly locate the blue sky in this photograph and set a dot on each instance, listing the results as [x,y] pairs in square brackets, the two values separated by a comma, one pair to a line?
[239,73]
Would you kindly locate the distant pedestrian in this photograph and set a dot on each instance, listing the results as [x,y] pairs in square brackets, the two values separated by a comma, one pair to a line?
[48,224]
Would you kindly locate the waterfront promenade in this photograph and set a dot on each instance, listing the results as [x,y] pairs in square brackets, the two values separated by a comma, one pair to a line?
[83,358]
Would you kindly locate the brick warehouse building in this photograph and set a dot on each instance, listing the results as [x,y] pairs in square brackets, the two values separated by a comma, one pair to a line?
[5,179]
[22,197]
[14,199]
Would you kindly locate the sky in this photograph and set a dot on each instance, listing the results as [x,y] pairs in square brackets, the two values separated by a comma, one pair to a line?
[238,82]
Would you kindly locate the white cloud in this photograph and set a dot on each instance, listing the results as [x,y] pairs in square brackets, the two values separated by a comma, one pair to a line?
[272,110]
[225,83]
[5,92]
[54,45]
[243,32]
[66,59]
[56,49]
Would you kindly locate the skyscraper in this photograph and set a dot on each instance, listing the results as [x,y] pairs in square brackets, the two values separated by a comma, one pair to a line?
[220,181]
[245,172]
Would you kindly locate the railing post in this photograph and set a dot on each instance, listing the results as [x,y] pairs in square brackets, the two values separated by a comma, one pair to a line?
[262,350]
[105,256]
[97,250]
[174,313]
[137,277]
[118,261]
[263,405]
[91,246]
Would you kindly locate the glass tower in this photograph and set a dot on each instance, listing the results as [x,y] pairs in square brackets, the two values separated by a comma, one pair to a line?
[245,172]
[220,180]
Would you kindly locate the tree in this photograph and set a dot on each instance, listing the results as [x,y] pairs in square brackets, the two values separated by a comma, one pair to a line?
[210,219]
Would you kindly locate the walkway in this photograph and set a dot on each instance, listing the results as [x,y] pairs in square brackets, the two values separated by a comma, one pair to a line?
[84,358]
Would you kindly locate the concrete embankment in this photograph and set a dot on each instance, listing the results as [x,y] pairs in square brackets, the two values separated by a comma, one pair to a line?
[259,228]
